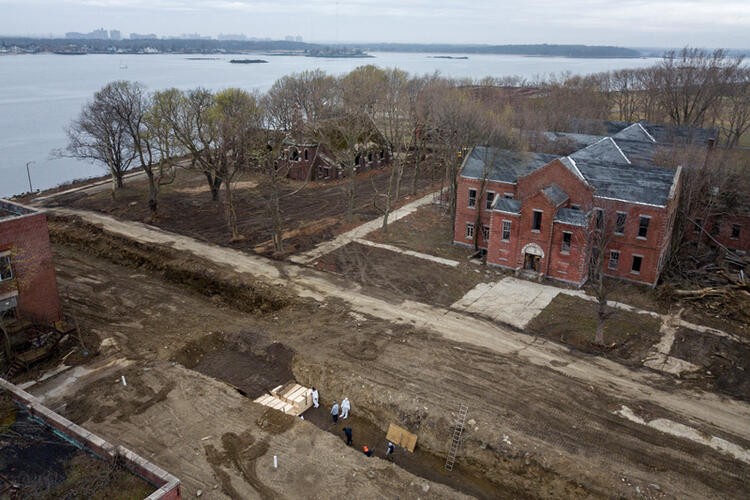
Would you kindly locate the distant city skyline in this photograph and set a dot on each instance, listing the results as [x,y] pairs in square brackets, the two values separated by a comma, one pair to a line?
[632,23]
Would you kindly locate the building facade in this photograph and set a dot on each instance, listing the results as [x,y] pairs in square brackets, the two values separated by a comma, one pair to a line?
[546,214]
[28,287]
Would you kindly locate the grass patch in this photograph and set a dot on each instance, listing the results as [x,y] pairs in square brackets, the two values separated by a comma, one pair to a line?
[572,321]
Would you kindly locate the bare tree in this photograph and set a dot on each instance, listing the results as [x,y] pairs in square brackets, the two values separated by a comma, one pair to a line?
[100,135]
[734,109]
[236,118]
[691,82]
[194,131]
[598,234]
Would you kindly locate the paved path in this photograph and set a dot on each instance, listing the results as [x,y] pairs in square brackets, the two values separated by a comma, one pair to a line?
[626,384]
[359,231]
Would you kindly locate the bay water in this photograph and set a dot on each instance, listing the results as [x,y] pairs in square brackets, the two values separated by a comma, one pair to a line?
[41,93]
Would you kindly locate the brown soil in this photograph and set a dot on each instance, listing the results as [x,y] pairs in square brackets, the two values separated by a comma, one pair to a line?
[399,277]
[572,321]
[231,358]
[428,230]
[531,430]
[207,222]
[725,363]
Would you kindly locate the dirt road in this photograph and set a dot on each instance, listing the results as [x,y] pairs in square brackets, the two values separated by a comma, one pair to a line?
[726,415]
[542,421]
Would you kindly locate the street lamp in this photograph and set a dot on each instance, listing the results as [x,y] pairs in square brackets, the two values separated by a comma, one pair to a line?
[28,173]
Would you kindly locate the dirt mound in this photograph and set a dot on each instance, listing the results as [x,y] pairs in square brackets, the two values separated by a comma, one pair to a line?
[245,293]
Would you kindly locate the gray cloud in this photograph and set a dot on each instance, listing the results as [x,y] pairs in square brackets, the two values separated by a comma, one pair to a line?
[709,23]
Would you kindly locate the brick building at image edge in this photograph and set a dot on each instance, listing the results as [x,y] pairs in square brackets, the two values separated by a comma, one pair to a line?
[536,212]
[28,288]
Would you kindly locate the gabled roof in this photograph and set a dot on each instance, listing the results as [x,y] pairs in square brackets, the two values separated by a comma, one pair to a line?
[634,183]
[501,164]
[605,149]
[571,216]
[634,132]
[555,194]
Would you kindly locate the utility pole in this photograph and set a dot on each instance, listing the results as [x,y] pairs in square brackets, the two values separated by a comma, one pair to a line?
[28,173]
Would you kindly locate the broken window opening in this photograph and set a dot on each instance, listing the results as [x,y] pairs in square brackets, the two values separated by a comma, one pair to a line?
[643,226]
[622,217]
[567,238]
[536,224]
[614,260]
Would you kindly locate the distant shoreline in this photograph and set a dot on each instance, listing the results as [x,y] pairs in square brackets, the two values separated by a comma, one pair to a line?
[223,47]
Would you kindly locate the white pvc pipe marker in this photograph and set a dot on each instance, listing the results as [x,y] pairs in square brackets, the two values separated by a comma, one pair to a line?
[275,462]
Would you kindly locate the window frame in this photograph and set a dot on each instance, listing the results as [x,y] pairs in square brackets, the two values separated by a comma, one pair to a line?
[569,243]
[489,198]
[472,203]
[620,224]
[640,264]
[536,222]
[469,230]
[643,229]
[509,196]
[486,233]
[616,260]
[506,229]
[6,257]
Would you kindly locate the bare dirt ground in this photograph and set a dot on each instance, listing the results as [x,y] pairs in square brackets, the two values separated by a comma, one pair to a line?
[312,215]
[541,419]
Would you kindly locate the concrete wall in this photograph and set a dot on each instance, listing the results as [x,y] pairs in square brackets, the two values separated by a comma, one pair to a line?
[168,486]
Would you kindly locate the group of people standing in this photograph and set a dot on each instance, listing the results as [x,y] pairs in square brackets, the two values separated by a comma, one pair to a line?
[343,412]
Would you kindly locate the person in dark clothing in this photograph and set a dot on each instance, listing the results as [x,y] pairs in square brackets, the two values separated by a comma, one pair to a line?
[335,412]
[367,451]
[390,449]
[348,432]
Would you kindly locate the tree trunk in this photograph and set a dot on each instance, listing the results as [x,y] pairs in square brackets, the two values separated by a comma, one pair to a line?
[278,225]
[231,213]
[416,172]
[153,192]
[214,184]
[601,317]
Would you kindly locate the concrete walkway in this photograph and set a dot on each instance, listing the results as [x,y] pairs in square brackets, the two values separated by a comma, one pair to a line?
[619,381]
[360,231]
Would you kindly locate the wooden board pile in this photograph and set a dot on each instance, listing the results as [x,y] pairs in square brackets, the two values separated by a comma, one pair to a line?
[290,398]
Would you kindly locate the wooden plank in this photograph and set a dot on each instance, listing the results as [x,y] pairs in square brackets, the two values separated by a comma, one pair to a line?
[401,437]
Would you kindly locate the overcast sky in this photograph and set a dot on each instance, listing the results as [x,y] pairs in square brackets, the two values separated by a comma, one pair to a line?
[635,23]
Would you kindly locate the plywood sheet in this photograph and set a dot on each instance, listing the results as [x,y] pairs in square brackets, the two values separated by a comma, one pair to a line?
[401,437]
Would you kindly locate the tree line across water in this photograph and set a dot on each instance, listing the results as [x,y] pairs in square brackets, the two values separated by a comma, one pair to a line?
[416,118]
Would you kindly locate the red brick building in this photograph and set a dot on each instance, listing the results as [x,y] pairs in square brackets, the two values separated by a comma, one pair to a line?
[28,288]
[538,212]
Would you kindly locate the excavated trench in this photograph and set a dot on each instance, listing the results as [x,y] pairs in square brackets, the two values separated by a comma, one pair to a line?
[244,361]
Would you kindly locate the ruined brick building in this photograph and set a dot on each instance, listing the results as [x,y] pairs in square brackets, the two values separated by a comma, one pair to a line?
[538,212]
[28,289]
[316,162]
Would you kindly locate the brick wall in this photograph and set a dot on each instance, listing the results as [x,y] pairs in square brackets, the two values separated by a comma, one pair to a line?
[27,238]
[468,215]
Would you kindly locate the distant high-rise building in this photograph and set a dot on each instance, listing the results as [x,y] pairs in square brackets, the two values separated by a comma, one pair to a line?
[298,38]
[289,38]
[138,36]
[115,35]
[231,37]
[100,34]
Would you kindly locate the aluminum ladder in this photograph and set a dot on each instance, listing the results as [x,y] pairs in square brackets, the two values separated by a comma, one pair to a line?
[456,440]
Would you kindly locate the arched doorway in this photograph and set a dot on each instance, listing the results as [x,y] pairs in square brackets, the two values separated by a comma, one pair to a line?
[532,257]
